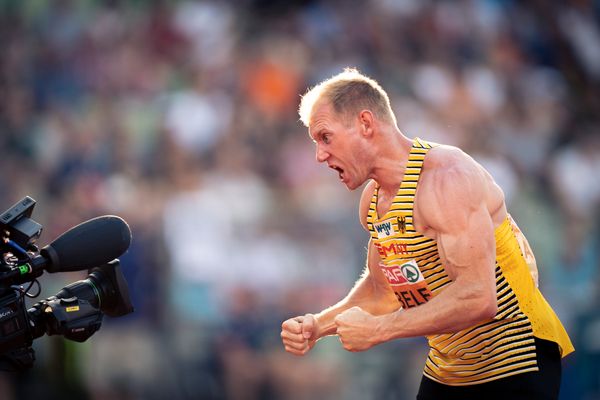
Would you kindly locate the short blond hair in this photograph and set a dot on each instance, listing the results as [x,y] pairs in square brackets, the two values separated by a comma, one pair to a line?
[348,92]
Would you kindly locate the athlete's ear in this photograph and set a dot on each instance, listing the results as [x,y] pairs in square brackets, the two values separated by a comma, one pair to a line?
[367,121]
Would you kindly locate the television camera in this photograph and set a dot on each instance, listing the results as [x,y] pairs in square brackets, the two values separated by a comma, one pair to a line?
[76,311]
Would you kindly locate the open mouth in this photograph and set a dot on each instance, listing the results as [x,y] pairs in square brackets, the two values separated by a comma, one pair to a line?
[339,170]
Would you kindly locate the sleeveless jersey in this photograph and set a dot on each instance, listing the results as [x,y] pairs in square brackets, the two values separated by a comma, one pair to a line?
[496,348]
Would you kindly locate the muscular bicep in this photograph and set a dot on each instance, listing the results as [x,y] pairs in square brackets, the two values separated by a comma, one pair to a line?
[456,212]
[469,249]
[468,254]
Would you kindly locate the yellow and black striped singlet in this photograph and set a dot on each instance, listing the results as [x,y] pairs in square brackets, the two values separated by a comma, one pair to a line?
[493,349]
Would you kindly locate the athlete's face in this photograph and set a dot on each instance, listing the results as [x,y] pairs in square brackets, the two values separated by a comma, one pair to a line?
[340,144]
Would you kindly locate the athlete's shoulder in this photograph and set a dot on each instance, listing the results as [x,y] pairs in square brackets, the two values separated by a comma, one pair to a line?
[453,185]
[445,156]
[451,181]
[448,168]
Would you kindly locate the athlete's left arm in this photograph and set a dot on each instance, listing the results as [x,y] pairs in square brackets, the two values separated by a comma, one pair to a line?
[452,205]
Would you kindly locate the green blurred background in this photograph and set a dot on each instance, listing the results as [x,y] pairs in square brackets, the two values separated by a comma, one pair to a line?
[180,116]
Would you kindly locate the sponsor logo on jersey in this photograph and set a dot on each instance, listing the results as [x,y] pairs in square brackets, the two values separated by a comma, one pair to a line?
[408,283]
[398,274]
[385,228]
[394,248]
[393,273]
[412,272]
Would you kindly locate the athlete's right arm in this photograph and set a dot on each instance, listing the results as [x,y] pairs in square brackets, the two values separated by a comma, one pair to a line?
[371,292]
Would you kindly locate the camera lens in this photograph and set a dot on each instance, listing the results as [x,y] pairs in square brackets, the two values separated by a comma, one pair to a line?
[105,288]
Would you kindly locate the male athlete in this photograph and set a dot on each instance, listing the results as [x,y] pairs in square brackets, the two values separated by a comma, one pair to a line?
[445,260]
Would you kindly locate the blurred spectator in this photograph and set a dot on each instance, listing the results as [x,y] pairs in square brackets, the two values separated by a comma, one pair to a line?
[574,175]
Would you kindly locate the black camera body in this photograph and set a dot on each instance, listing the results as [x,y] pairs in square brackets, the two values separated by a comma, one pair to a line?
[77,310]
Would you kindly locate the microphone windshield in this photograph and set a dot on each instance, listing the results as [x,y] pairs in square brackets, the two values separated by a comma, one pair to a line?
[90,244]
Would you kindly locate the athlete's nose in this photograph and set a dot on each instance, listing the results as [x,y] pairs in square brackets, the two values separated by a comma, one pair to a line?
[322,155]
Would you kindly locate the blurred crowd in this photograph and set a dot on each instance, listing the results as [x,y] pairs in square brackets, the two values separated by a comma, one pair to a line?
[180,117]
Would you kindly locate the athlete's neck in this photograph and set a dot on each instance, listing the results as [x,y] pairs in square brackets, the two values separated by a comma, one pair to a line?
[391,161]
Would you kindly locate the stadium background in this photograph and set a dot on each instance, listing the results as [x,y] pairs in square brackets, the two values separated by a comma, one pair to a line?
[180,116]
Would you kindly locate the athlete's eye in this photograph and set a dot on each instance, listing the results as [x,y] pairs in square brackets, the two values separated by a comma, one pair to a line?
[326,139]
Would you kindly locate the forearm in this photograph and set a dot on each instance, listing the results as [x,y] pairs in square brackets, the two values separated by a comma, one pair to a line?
[454,309]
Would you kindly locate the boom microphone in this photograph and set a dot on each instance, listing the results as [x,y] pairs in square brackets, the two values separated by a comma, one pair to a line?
[90,244]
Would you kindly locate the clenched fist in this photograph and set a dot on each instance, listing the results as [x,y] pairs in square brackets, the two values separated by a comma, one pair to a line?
[357,329]
[299,334]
